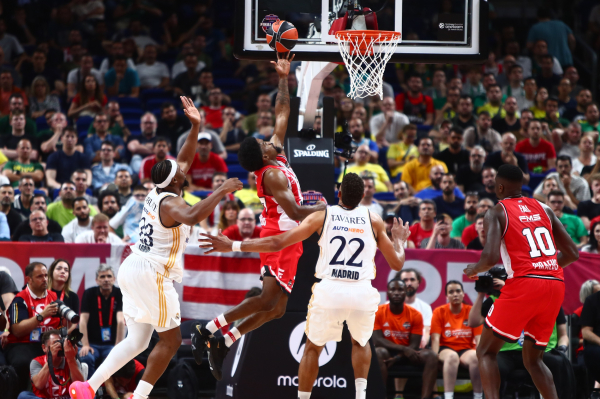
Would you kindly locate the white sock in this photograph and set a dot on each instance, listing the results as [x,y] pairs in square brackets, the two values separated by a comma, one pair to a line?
[448,395]
[361,388]
[303,395]
[143,390]
[232,336]
[137,340]
[217,323]
[477,395]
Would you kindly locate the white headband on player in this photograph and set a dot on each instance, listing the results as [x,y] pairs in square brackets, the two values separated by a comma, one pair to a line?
[167,181]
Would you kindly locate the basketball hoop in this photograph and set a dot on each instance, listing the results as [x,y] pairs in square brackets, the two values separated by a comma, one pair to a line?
[365,53]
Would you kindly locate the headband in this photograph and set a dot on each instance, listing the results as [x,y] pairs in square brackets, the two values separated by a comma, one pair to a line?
[167,181]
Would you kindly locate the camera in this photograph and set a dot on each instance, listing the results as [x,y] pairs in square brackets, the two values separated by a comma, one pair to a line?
[74,337]
[66,312]
[485,283]
[343,144]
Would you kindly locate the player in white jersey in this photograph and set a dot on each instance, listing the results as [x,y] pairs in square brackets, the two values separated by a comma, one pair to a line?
[349,238]
[146,277]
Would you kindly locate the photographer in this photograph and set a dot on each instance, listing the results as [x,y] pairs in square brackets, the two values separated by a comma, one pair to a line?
[510,357]
[30,315]
[122,383]
[66,368]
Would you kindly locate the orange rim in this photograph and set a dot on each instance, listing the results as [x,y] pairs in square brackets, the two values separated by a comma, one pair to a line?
[378,35]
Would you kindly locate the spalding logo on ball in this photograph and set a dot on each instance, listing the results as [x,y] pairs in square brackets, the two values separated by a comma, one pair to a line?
[282,36]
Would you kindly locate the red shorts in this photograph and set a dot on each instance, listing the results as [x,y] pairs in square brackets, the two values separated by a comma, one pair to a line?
[281,265]
[528,305]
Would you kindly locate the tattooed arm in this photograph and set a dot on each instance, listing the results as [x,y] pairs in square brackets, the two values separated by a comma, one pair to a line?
[282,102]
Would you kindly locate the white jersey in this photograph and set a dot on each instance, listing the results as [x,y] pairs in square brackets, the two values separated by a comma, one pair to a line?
[348,245]
[162,246]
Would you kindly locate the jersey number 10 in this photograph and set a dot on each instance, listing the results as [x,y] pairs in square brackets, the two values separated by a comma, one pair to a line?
[335,261]
[534,252]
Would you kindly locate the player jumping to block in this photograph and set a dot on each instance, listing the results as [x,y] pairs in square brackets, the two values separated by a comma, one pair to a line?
[349,236]
[146,277]
[527,234]
[279,191]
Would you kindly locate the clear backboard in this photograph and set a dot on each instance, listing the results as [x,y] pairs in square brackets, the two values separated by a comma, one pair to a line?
[433,31]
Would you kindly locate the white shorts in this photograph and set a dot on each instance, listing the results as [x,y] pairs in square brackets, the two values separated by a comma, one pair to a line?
[334,302]
[148,297]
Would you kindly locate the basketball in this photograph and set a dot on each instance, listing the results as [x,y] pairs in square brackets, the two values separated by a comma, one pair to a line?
[282,36]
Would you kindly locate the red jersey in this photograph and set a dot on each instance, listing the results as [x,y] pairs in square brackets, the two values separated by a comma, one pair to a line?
[52,390]
[469,234]
[527,246]
[24,306]
[453,328]
[202,172]
[273,217]
[147,164]
[214,117]
[233,232]
[536,156]
[417,234]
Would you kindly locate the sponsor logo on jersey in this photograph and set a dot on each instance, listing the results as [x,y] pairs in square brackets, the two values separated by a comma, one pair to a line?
[466,323]
[550,264]
[348,229]
[530,218]
[448,325]
[345,274]
[386,324]
[448,333]
[406,325]
[348,219]
[524,208]
[397,334]
[147,212]
[462,333]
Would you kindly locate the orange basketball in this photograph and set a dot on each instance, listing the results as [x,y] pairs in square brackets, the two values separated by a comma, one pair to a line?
[282,36]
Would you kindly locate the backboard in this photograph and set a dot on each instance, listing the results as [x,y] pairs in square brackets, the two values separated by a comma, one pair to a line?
[433,31]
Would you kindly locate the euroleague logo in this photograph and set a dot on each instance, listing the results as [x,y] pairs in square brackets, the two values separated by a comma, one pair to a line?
[448,333]
[298,342]
[406,325]
[387,333]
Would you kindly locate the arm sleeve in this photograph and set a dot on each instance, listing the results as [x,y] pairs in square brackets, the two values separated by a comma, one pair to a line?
[382,174]
[589,313]
[455,233]
[485,307]
[85,301]
[551,152]
[373,146]
[406,174]
[417,325]
[35,368]
[17,311]
[222,166]
[120,217]
[522,162]
[392,152]
[52,161]
[424,243]
[7,284]
[436,323]
[478,330]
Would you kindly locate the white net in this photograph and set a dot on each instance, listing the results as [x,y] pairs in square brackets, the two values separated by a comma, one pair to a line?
[365,55]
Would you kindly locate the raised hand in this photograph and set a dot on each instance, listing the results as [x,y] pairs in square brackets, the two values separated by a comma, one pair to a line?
[190,110]
[400,230]
[282,66]
[231,185]
[219,243]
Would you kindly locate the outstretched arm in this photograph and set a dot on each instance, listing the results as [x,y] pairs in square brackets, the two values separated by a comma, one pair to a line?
[276,182]
[268,244]
[392,250]
[187,152]
[491,252]
[282,101]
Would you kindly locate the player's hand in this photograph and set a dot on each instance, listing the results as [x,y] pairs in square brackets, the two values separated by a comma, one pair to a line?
[219,243]
[400,230]
[231,185]
[470,271]
[191,111]
[282,66]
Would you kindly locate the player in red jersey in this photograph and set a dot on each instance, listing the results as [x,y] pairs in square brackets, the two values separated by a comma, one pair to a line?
[527,234]
[279,191]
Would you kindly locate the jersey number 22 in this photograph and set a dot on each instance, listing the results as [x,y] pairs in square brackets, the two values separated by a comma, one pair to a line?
[335,261]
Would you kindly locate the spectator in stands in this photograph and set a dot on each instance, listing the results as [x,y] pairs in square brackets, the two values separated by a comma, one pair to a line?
[263,104]
[153,74]
[368,201]
[483,134]
[141,146]
[434,190]
[249,196]
[37,203]
[401,152]
[386,125]
[488,179]
[116,49]
[589,209]
[13,51]
[23,200]
[566,103]
[116,124]
[510,122]
[185,81]
[41,99]
[214,109]
[455,344]
[89,101]
[540,49]
[568,144]
[29,322]
[100,233]
[264,126]
[171,124]
[450,109]
[76,77]
[416,172]
[7,198]
[62,211]
[440,236]
[468,176]
[230,135]
[39,229]
[408,206]
[539,105]
[470,233]
[422,230]
[397,336]
[93,143]
[205,164]
[59,281]
[101,321]
[122,81]
[105,171]
[468,218]
[590,322]
[109,203]
[362,165]
[552,118]
[558,36]
[591,124]
[574,186]
[80,178]
[539,153]
[61,164]
[22,165]
[508,156]
[455,155]
[550,184]
[245,228]
[160,152]
[547,78]
[39,68]
[51,137]
[8,88]
[448,203]
[586,156]
[583,99]
[200,91]
[494,102]
[414,104]
[9,143]
[16,103]
[464,118]
[478,243]
[573,224]
[356,128]
[593,247]
[130,215]
[81,223]
[412,279]
[473,87]
[515,86]
[228,216]
[123,181]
